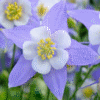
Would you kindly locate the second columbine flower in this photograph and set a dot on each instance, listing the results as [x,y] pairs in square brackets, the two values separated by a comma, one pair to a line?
[47,50]
[14,12]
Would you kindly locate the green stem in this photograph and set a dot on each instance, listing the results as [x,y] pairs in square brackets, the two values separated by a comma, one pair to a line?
[48,94]
[12,60]
[96,97]
[21,94]
[73,95]
[3,60]
[7,93]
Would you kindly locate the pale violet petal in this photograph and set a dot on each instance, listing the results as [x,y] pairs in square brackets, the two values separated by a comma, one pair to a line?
[99,50]
[56,81]
[94,34]
[39,33]
[21,72]
[5,22]
[60,59]
[41,66]
[29,50]
[62,39]
[23,20]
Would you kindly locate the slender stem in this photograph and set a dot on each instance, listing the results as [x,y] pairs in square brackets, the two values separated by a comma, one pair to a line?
[12,60]
[81,83]
[3,60]
[96,96]
[21,94]
[7,93]
[48,94]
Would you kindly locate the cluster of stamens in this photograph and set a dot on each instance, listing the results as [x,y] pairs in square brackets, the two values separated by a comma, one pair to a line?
[88,92]
[13,12]
[41,10]
[69,67]
[44,49]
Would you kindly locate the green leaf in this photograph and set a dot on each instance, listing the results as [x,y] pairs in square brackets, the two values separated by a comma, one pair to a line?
[14,93]
[3,93]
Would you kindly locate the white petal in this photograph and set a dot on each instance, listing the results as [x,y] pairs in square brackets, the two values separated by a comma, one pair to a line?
[60,59]
[39,33]
[94,34]
[26,6]
[99,50]
[94,87]
[62,39]
[5,22]
[41,66]
[48,3]
[23,20]
[2,2]
[29,50]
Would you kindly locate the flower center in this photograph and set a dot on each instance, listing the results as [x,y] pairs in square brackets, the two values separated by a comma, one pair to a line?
[70,68]
[72,1]
[87,92]
[45,49]
[41,10]
[13,11]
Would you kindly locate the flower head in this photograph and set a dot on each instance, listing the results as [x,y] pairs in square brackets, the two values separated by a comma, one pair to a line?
[44,6]
[14,12]
[27,66]
[86,92]
[47,50]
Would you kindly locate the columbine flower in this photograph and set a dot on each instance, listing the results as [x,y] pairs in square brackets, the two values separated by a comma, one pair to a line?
[44,6]
[87,92]
[47,50]
[55,79]
[16,12]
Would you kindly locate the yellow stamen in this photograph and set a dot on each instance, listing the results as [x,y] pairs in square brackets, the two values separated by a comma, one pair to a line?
[13,11]
[72,1]
[88,92]
[41,10]
[44,49]
[69,67]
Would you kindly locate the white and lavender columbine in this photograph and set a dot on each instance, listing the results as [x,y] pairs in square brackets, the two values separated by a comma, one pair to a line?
[46,50]
[44,6]
[14,12]
[87,92]
[79,54]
